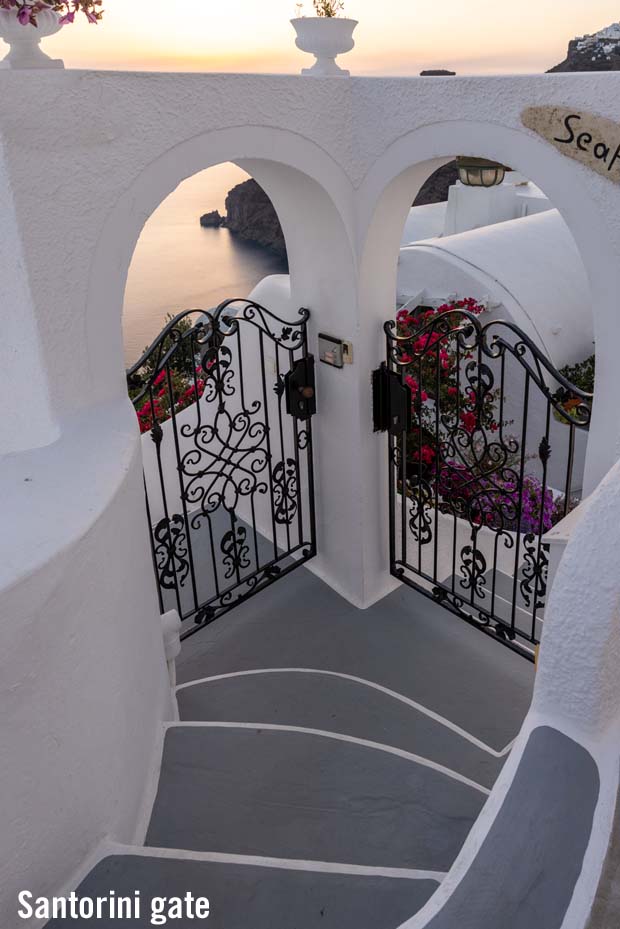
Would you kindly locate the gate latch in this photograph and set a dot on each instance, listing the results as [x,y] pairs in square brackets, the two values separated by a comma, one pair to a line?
[300,389]
[391,402]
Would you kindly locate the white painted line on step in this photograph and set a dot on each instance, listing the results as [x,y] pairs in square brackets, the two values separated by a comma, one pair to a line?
[371,684]
[339,737]
[283,864]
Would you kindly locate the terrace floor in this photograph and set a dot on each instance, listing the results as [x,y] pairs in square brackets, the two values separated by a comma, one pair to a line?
[328,763]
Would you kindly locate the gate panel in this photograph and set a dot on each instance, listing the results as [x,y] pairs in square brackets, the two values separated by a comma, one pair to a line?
[486,450]
[227,398]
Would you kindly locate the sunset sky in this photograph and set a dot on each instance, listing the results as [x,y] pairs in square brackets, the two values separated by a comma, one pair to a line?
[394,36]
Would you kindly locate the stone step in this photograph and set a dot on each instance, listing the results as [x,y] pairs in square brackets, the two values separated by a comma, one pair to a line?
[249,897]
[341,704]
[296,795]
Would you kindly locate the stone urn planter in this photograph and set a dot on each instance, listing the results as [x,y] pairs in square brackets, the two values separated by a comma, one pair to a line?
[325,38]
[26,51]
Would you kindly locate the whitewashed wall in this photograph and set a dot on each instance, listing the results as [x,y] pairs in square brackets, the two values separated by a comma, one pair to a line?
[87,158]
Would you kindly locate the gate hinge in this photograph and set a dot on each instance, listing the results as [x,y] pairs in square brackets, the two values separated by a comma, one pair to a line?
[391,402]
[300,389]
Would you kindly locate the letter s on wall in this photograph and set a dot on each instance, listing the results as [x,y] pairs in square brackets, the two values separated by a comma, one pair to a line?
[571,134]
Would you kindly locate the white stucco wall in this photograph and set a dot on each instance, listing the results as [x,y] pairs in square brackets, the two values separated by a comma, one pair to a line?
[424,222]
[83,683]
[342,161]
[32,420]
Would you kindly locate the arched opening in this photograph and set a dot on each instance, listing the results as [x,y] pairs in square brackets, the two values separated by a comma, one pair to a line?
[224,394]
[493,327]
[493,453]
[276,502]
[216,236]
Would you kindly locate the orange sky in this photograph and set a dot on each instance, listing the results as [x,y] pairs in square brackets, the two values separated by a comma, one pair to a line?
[394,36]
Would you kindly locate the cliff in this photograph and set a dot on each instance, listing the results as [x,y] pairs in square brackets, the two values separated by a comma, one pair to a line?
[598,52]
[435,189]
[251,216]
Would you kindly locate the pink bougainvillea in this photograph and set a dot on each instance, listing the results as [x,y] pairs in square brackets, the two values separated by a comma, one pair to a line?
[172,390]
[434,375]
[26,11]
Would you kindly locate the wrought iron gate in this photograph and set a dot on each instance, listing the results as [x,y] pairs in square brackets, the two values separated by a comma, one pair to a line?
[486,447]
[227,397]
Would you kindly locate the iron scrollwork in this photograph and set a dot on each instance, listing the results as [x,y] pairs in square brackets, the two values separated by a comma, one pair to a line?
[473,570]
[535,571]
[462,468]
[421,513]
[214,429]
[171,552]
[285,491]
[235,551]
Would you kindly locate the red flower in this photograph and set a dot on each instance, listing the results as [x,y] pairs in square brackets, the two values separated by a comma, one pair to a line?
[415,387]
[469,421]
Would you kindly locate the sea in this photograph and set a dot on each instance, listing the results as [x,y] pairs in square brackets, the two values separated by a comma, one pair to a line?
[178,265]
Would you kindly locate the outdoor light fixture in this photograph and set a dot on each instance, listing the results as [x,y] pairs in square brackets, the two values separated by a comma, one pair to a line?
[479,172]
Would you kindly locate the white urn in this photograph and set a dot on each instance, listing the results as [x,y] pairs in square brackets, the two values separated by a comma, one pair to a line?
[324,37]
[26,51]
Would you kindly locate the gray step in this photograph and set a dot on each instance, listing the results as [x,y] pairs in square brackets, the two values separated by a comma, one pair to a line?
[405,642]
[336,704]
[245,897]
[293,795]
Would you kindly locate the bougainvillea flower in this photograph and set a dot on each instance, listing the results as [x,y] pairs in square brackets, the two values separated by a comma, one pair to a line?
[470,421]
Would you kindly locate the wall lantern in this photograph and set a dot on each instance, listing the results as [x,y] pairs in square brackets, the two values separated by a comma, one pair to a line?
[479,172]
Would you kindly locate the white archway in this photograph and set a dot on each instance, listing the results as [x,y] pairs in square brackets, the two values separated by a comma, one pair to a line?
[391,185]
[310,193]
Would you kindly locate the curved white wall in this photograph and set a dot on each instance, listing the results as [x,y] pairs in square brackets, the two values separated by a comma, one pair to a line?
[83,681]
[531,266]
[27,417]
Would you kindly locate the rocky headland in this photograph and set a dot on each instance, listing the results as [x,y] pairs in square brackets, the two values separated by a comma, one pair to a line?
[597,52]
[250,216]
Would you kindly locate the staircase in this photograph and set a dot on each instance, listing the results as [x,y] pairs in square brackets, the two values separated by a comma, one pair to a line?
[325,769]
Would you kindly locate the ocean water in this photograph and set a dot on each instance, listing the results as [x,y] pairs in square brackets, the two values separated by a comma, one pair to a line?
[178,265]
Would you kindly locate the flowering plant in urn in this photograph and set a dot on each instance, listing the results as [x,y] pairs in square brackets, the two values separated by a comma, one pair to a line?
[23,23]
[27,11]
[325,35]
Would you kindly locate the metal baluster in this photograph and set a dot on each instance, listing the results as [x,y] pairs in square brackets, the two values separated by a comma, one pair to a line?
[419,490]
[177,447]
[244,408]
[404,473]
[392,472]
[282,449]
[436,579]
[569,470]
[261,340]
[515,581]
[152,541]
[164,497]
[300,518]
[310,459]
[544,452]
